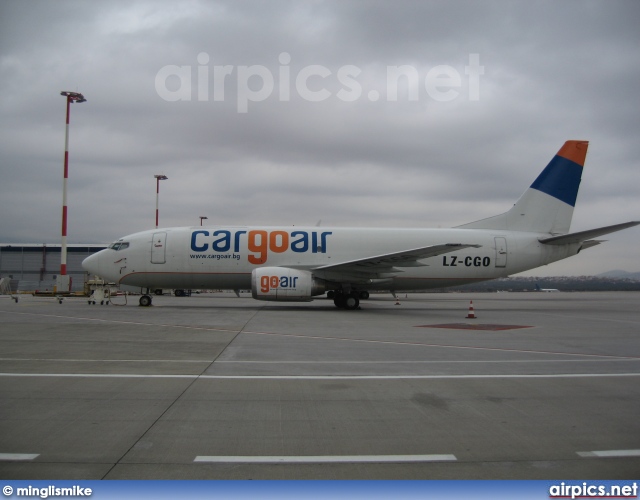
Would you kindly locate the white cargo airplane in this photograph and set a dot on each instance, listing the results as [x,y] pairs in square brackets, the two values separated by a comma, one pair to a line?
[291,264]
[546,290]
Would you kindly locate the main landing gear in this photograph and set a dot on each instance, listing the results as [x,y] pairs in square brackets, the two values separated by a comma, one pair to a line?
[145,300]
[349,301]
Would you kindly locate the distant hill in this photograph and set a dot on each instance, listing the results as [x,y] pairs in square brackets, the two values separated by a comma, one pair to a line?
[562,283]
[620,275]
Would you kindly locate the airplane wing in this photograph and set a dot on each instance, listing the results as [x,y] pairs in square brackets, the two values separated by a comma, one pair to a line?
[582,236]
[383,267]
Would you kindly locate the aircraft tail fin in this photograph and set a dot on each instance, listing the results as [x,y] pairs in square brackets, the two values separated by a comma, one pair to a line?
[547,205]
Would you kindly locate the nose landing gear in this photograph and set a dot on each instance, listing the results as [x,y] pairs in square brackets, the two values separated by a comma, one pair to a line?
[145,300]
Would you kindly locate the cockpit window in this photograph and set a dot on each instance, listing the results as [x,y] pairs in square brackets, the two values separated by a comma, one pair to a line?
[119,245]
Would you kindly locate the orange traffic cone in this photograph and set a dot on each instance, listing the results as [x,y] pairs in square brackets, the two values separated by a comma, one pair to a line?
[472,314]
[397,301]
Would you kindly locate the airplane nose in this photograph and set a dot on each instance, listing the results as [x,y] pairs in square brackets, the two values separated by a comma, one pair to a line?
[94,264]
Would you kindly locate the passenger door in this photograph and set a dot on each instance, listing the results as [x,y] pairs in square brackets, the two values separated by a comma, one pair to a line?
[501,252]
[159,248]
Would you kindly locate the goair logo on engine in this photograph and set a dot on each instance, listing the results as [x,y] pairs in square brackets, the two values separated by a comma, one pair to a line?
[258,242]
[268,283]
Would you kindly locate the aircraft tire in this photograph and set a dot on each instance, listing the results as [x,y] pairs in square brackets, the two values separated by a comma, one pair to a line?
[364,295]
[351,302]
[145,301]
[339,301]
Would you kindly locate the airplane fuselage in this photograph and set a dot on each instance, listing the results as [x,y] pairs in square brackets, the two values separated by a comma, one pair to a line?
[224,257]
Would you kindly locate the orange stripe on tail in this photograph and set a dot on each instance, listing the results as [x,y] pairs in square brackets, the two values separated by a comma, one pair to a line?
[576,151]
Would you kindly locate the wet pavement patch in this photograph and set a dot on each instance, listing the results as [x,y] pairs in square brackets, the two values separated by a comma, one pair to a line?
[475,326]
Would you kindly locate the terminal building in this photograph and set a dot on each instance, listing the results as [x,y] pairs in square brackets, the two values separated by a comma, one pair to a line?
[35,267]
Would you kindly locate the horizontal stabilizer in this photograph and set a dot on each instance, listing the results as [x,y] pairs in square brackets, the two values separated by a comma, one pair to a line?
[591,243]
[581,236]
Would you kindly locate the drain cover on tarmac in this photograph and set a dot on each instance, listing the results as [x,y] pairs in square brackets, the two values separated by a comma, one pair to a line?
[472,326]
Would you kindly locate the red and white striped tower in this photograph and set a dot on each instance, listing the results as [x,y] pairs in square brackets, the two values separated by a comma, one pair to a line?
[71,97]
[159,178]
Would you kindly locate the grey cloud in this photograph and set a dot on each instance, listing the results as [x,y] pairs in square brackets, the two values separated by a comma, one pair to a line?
[552,71]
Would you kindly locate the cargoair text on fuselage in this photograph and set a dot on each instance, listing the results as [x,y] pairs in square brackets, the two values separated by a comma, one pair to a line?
[299,263]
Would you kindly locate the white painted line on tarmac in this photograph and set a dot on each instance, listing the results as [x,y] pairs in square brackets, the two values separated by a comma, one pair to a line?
[321,377]
[399,377]
[422,362]
[95,375]
[328,338]
[302,362]
[376,363]
[325,459]
[112,360]
[609,453]
[443,346]
[18,456]
[121,322]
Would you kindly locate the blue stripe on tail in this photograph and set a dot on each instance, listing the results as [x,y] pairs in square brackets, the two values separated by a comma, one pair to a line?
[560,179]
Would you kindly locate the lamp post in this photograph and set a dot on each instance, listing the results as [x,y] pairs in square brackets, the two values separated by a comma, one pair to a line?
[159,178]
[64,282]
[202,218]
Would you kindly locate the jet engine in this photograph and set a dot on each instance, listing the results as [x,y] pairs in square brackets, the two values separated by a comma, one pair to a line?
[284,284]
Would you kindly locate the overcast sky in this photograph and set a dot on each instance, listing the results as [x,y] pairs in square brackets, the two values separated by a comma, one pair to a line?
[355,113]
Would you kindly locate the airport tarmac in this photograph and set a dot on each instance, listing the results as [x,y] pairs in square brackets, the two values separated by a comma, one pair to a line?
[538,386]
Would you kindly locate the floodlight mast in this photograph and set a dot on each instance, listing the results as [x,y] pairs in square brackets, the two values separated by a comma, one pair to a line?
[78,98]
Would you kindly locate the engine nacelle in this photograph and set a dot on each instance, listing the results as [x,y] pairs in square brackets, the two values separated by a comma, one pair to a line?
[284,284]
